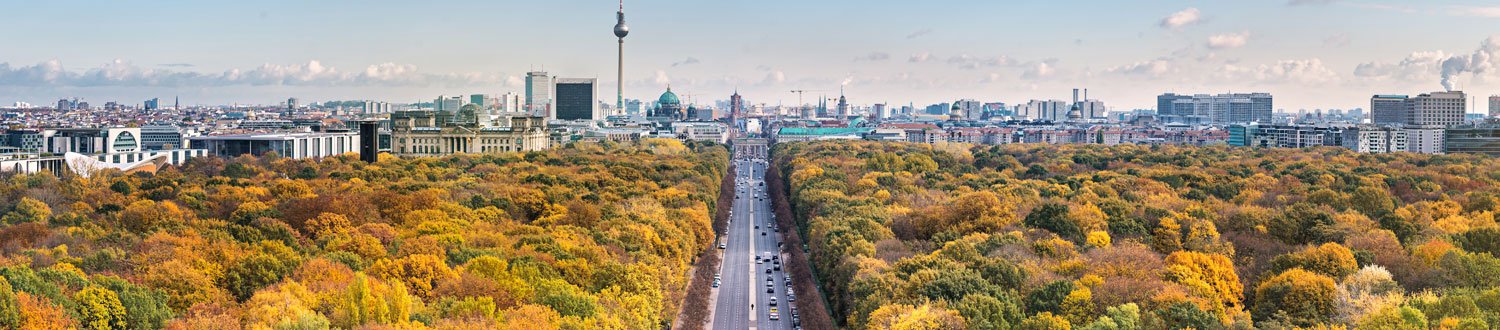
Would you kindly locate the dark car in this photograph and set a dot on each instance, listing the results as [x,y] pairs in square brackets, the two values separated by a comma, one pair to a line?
[768,270]
[770,290]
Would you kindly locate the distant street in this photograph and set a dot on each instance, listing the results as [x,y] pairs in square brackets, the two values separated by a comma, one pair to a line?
[743,301]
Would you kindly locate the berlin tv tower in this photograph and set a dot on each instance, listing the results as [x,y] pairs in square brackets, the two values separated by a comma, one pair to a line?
[620,31]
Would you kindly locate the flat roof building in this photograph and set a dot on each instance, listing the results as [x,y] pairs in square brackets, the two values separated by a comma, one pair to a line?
[1438,108]
[291,145]
[576,100]
[1389,109]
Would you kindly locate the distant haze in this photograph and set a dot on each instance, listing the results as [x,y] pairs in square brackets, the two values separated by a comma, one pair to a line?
[1310,54]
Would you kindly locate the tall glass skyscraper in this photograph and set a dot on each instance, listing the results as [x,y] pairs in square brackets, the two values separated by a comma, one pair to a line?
[538,94]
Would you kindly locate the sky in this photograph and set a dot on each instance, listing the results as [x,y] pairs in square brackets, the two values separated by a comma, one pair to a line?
[1311,54]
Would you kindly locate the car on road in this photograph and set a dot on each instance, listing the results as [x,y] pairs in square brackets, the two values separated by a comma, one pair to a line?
[778,266]
[721,246]
[775,316]
[762,233]
[768,270]
[716,283]
[770,290]
[773,301]
[791,297]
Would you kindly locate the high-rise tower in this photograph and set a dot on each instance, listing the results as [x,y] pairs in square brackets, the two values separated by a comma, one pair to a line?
[620,32]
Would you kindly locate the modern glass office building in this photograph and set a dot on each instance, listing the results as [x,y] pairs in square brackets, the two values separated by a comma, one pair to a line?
[291,145]
[1479,139]
[576,99]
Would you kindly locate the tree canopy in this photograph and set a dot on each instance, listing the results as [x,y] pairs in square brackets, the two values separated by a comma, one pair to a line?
[589,236]
[1147,237]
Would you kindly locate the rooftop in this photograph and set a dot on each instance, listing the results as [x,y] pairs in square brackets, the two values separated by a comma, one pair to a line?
[271,136]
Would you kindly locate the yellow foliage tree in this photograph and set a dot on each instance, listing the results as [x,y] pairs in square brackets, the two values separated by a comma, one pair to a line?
[420,272]
[907,317]
[1209,276]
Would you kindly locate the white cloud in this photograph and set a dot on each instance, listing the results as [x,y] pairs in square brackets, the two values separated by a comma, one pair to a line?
[1337,40]
[966,61]
[689,61]
[1305,72]
[1229,40]
[1446,67]
[121,73]
[1416,66]
[919,58]
[874,57]
[1309,2]
[1152,68]
[1182,18]
[991,78]
[662,78]
[1475,11]
[919,33]
[1039,70]
[773,78]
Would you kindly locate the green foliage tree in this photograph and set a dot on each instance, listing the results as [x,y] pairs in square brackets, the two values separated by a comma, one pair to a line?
[28,210]
[1373,202]
[1474,270]
[10,309]
[1304,223]
[1045,321]
[1304,297]
[144,308]
[261,268]
[100,308]
[566,299]
[1486,240]
[1184,315]
[1122,317]
[1054,217]
[1331,259]
[985,312]
[1395,318]
[1049,298]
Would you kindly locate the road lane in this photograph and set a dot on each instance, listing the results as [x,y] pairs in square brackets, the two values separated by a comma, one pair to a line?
[743,302]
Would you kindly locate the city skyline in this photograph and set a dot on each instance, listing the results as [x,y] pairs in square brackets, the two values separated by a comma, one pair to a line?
[1310,54]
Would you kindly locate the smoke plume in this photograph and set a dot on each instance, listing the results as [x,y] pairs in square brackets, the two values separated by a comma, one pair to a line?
[1481,62]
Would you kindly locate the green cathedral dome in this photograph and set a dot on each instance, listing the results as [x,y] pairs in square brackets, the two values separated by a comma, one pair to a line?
[668,98]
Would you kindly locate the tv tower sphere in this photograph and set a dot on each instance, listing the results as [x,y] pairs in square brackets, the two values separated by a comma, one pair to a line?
[620,29]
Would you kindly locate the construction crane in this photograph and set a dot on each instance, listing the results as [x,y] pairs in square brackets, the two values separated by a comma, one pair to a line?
[799,95]
[689,97]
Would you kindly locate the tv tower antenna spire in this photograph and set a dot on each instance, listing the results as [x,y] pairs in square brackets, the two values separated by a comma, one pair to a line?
[620,32]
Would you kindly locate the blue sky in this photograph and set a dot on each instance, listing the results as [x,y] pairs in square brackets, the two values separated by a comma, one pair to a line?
[1310,53]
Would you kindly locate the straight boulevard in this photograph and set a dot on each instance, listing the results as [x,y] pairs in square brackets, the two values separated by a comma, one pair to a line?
[752,290]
